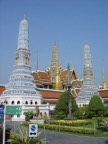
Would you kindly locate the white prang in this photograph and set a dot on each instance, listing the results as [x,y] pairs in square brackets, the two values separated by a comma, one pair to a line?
[21,89]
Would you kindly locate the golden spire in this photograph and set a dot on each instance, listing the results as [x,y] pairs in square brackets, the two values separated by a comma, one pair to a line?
[54,63]
[104,84]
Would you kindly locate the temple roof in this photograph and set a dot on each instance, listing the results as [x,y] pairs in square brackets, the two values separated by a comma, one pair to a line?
[64,74]
[41,75]
[2,88]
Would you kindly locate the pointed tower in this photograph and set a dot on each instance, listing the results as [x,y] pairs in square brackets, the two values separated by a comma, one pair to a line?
[21,89]
[88,88]
[54,63]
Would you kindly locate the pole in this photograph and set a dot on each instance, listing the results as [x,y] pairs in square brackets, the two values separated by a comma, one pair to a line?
[4,124]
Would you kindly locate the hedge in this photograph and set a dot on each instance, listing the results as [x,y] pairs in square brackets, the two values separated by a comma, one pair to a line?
[70,122]
[72,129]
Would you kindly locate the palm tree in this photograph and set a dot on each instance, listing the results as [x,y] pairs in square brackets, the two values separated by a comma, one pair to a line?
[22,137]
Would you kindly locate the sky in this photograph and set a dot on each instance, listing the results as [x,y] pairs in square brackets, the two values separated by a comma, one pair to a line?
[69,23]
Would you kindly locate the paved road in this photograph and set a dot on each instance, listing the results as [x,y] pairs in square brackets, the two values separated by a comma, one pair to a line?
[61,138]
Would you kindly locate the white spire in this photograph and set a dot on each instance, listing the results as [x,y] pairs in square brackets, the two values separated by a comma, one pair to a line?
[23,34]
[87,56]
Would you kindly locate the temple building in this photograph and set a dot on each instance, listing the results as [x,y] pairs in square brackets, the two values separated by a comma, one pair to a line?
[21,89]
[88,88]
[52,82]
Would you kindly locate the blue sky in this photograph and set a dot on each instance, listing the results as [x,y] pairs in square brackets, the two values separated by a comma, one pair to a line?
[68,22]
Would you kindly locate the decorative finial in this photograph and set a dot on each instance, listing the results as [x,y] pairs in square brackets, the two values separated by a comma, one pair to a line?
[85,42]
[55,44]
[68,67]
[24,17]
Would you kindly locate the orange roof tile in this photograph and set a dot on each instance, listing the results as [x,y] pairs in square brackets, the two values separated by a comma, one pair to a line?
[103,93]
[49,101]
[63,74]
[35,76]
[2,88]
[50,94]
[43,75]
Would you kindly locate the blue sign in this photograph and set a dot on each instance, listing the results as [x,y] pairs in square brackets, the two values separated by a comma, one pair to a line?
[2,107]
[1,111]
[1,116]
[33,130]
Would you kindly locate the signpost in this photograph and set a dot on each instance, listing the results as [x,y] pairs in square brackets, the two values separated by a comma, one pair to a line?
[33,130]
[13,110]
[4,109]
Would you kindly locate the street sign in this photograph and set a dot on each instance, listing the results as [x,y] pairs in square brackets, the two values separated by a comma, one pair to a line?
[1,112]
[13,110]
[1,107]
[33,130]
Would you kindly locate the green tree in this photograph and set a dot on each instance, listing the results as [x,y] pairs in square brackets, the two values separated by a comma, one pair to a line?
[96,105]
[22,137]
[61,109]
[28,115]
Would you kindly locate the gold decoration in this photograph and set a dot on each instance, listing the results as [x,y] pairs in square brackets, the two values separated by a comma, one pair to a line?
[25,59]
[17,58]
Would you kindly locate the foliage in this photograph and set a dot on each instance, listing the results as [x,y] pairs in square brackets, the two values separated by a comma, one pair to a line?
[28,115]
[21,137]
[96,105]
[61,109]
[70,122]
[106,112]
[7,134]
[103,124]
[45,118]
[78,114]
[64,128]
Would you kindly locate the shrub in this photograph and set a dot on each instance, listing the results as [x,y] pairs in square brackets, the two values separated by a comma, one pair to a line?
[70,122]
[103,124]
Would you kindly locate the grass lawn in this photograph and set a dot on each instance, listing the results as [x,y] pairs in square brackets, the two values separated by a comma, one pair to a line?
[97,131]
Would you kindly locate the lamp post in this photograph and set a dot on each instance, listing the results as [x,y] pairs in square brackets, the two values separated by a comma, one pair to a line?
[69,116]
